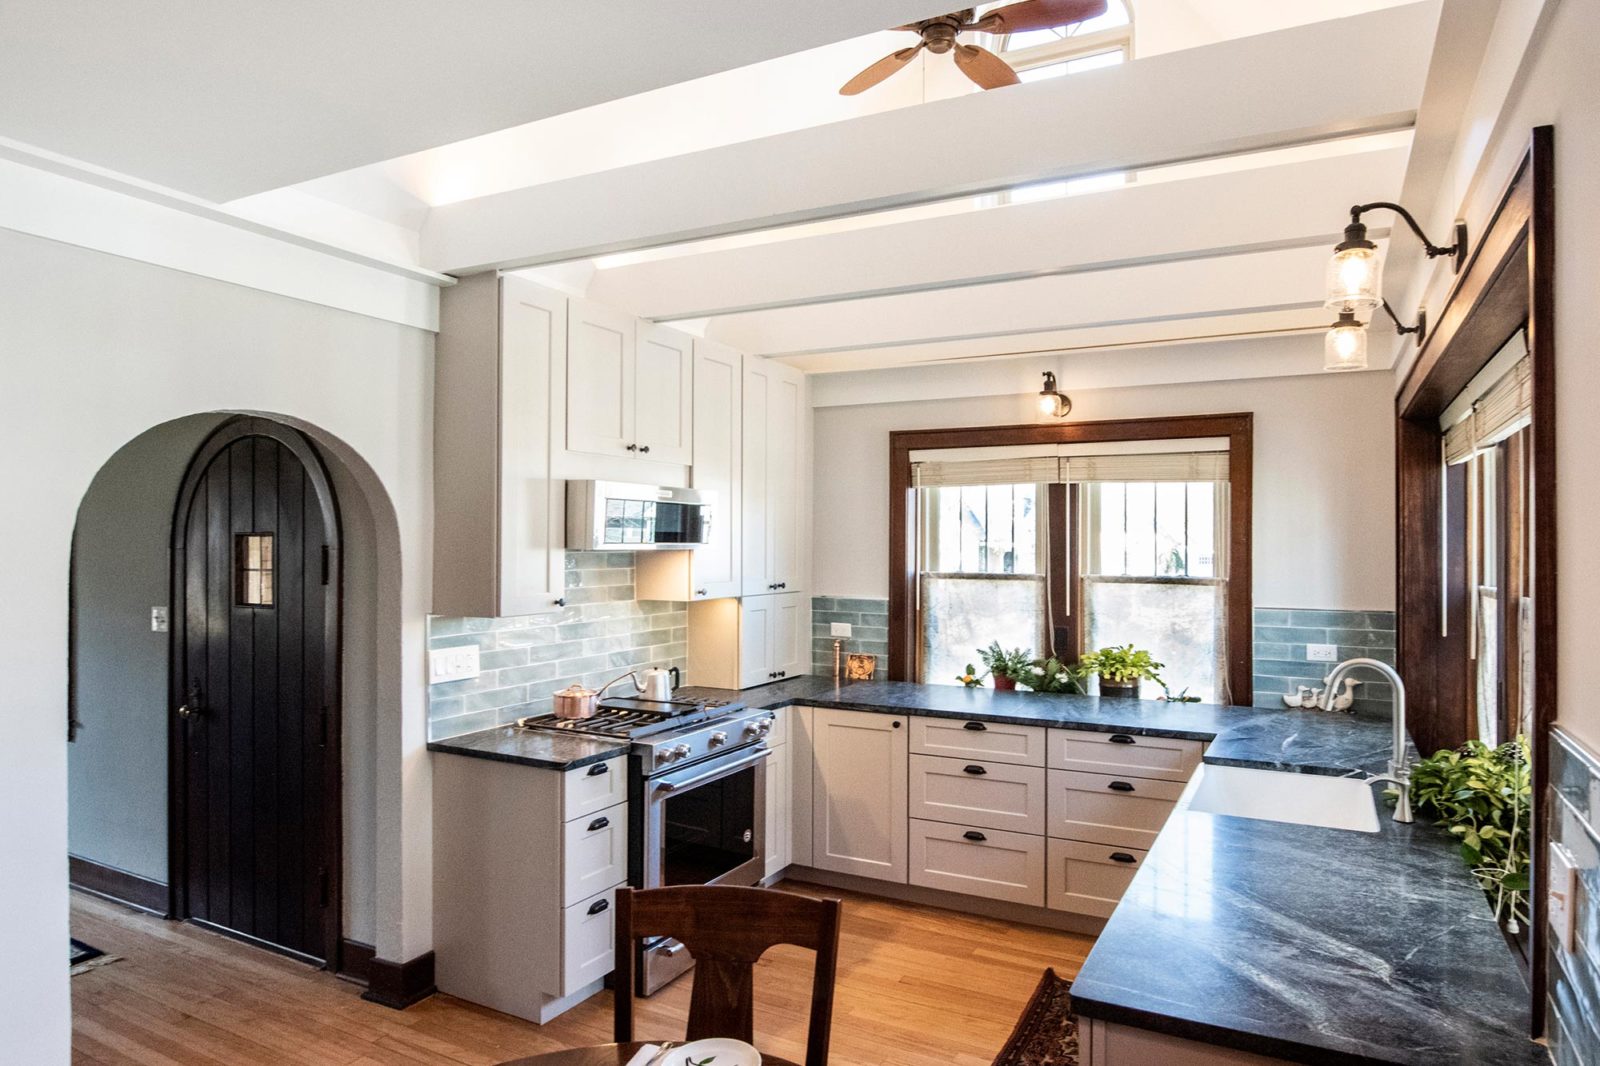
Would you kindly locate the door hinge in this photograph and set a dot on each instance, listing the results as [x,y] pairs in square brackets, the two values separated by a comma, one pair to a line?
[326,564]
[322,879]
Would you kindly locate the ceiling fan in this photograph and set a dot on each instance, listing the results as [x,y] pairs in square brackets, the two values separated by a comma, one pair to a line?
[985,68]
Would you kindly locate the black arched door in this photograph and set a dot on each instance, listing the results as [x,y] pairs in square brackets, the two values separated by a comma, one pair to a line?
[255,712]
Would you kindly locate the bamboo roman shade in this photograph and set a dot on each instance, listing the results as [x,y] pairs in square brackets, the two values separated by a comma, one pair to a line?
[1504,408]
[1172,460]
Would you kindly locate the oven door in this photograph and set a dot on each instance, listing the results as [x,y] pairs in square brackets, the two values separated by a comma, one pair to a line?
[702,825]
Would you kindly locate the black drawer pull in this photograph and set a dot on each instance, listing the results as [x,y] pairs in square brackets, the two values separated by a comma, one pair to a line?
[599,768]
[974,768]
[976,727]
[599,823]
[1120,786]
[601,904]
[1122,856]
[1122,738]
[974,836]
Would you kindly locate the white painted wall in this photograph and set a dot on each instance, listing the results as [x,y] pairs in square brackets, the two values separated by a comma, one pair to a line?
[95,350]
[1324,479]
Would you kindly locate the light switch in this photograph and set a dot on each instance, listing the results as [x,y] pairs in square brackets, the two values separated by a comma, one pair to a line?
[1322,653]
[158,619]
[1563,878]
[840,629]
[453,664]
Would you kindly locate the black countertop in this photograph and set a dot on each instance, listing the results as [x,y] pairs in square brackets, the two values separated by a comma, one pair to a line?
[1309,944]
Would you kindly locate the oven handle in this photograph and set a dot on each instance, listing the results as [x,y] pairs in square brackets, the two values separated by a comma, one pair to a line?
[709,775]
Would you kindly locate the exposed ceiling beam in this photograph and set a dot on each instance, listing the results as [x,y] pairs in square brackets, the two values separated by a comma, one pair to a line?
[1258,209]
[1343,77]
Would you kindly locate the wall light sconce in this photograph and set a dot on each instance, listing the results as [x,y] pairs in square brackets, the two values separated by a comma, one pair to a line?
[1053,404]
[1345,345]
[1355,273]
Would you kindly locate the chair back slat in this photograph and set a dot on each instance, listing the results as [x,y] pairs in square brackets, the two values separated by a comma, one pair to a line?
[727,930]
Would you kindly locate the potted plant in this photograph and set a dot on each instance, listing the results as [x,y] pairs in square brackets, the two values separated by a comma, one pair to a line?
[970,678]
[1006,667]
[1121,669]
[1052,675]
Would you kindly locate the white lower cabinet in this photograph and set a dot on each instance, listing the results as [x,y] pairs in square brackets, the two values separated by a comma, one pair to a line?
[588,940]
[1089,878]
[859,794]
[994,795]
[1107,809]
[978,861]
[594,853]
[780,797]
[983,741]
[1129,754]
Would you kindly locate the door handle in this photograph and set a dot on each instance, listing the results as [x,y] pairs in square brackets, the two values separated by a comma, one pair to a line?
[976,727]
[1122,856]
[974,836]
[191,708]
[712,775]
[186,711]
[974,769]
[1120,786]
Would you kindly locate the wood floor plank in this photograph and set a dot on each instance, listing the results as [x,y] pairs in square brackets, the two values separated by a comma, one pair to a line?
[917,986]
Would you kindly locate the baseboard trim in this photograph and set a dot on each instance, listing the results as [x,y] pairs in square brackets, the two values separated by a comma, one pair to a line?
[950,901]
[400,984]
[355,961]
[120,886]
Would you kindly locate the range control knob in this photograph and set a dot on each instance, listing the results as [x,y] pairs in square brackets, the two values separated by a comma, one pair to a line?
[663,755]
[718,739]
[681,751]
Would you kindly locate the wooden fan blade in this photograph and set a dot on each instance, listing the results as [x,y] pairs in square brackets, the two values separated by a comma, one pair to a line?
[879,70]
[985,68]
[1039,15]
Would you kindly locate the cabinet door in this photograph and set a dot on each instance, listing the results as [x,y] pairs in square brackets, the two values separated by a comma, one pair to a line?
[755,535]
[600,379]
[802,773]
[859,812]
[663,391]
[785,478]
[718,392]
[755,641]
[790,640]
[533,331]
[778,810]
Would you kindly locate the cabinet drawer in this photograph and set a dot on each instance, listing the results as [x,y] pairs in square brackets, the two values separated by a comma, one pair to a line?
[991,741]
[995,795]
[1088,878]
[593,788]
[1126,754]
[1106,809]
[977,861]
[588,941]
[780,728]
[594,852]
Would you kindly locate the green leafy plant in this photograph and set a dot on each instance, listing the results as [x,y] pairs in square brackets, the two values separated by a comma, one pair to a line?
[1181,697]
[1482,795]
[1001,663]
[970,677]
[1121,665]
[1052,675]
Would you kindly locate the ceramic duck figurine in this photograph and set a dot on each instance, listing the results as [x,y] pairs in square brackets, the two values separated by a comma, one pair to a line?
[1344,699]
[1297,698]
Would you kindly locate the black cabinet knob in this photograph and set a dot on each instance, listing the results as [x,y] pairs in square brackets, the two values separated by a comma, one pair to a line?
[633,447]
[599,768]
[599,905]
[699,592]
[599,823]
[974,836]
[976,727]
[1120,786]
[644,449]
[562,602]
[974,769]
[1121,738]
[897,723]
[1122,856]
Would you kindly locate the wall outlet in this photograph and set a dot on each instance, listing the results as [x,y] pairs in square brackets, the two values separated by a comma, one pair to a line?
[453,664]
[1562,909]
[1322,653]
[840,629]
[158,619]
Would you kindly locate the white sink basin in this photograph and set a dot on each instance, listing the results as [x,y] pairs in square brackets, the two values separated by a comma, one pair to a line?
[1301,799]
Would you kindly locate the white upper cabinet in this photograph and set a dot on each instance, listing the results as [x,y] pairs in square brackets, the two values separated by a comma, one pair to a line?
[718,411]
[601,345]
[628,387]
[663,392]
[773,477]
[499,520]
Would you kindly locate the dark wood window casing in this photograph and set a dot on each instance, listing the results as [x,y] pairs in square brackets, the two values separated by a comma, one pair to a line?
[1238,428]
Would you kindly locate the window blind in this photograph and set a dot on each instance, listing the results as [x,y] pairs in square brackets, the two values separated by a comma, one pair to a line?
[1504,408]
[1154,466]
[1200,460]
[1036,470]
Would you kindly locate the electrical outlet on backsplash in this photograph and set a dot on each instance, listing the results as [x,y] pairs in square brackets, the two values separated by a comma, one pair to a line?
[602,632]
[1574,999]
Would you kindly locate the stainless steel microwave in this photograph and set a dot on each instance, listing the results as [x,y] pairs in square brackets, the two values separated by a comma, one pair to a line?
[618,516]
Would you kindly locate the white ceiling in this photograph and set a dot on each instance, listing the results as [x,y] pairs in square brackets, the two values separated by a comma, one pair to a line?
[225,98]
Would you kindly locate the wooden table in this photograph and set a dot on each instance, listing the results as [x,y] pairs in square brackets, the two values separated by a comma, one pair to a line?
[606,1055]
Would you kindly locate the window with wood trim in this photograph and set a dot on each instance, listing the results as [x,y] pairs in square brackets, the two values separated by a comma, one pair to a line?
[253,569]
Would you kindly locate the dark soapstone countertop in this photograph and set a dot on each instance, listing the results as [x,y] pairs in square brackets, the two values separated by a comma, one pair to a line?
[531,747]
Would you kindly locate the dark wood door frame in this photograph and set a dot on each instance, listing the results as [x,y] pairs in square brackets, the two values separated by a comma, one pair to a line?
[1238,428]
[1506,285]
[331,786]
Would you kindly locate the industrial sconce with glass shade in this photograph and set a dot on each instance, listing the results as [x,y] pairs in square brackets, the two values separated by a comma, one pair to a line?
[1053,404]
[1355,286]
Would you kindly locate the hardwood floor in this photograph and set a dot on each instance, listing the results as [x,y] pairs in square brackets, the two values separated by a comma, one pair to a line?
[917,987]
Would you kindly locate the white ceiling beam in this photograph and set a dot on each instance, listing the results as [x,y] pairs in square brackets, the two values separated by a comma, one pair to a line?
[1266,207]
[1289,279]
[1343,77]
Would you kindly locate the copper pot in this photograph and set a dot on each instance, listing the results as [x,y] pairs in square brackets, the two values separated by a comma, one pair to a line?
[575,701]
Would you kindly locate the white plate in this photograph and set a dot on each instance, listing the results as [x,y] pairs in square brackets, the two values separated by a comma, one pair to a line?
[722,1052]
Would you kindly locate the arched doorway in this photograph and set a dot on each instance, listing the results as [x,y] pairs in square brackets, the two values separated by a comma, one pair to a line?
[254,744]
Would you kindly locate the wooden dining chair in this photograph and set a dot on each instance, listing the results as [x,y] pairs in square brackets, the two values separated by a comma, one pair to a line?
[727,929]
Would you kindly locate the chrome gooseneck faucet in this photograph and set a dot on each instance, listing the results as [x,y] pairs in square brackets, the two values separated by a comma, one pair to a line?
[1398,773]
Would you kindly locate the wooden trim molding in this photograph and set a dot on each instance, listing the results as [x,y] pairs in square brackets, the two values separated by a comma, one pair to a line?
[400,984]
[1507,284]
[355,961]
[1239,428]
[144,893]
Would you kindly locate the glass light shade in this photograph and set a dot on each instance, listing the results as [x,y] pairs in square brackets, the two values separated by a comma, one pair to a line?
[1355,280]
[1345,346]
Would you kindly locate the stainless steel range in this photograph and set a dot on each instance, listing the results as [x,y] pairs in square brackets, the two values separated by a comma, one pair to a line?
[697,800]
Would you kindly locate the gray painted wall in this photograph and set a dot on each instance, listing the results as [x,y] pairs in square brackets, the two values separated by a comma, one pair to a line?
[117,769]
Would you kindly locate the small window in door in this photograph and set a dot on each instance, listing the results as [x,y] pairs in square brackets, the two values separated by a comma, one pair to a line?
[253,565]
